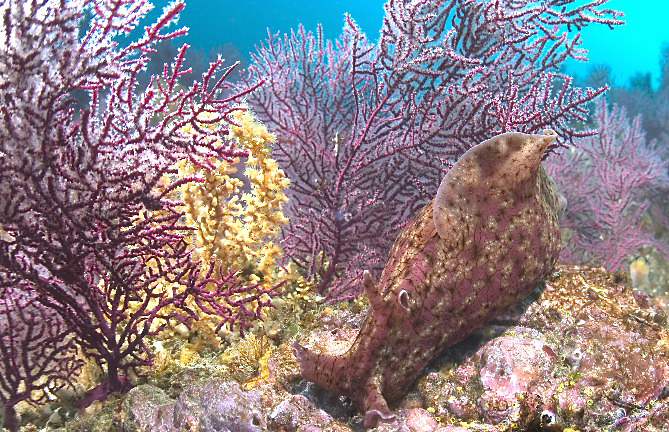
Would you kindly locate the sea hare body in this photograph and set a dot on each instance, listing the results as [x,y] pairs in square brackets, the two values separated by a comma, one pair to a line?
[488,238]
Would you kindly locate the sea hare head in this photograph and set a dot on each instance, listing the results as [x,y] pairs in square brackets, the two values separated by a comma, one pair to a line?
[507,161]
[496,174]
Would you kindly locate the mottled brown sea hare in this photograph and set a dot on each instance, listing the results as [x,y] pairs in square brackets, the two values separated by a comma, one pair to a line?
[488,238]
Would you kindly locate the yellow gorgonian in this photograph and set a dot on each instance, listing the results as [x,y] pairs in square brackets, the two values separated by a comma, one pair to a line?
[237,218]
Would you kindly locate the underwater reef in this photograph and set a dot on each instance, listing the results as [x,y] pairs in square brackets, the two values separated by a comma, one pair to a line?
[190,253]
[586,352]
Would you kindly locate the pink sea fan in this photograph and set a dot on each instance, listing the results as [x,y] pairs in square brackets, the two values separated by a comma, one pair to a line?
[78,200]
[366,132]
[608,181]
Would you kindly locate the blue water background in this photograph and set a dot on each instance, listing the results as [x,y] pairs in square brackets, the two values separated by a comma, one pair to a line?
[235,27]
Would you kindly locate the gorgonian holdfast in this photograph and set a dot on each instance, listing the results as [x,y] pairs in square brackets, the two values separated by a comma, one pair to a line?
[38,355]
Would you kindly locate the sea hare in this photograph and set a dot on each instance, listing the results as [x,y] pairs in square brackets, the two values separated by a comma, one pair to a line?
[486,241]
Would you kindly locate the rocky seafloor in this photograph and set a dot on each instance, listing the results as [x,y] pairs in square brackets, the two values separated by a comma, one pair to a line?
[586,352]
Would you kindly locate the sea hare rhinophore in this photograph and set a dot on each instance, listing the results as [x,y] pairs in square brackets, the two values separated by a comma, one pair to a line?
[488,238]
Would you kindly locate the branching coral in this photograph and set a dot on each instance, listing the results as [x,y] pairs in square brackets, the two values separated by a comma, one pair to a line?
[72,183]
[234,223]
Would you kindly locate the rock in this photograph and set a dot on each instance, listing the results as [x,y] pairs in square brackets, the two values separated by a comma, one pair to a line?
[292,415]
[585,353]
[218,406]
[419,420]
[148,408]
[206,406]
[581,351]
[55,419]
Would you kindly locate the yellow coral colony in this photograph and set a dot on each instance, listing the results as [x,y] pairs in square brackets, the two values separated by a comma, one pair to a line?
[238,229]
[235,229]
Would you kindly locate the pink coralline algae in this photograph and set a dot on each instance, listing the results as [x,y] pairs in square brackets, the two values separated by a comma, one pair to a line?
[485,242]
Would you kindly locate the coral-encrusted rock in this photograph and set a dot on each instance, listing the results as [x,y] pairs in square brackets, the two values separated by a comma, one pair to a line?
[296,413]
[584,354]
[149,408]
[205,406]
[419,420]
[218,405]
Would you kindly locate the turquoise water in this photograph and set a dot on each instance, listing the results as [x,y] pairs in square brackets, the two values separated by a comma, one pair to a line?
[629,49]
[632,48]
[245,23]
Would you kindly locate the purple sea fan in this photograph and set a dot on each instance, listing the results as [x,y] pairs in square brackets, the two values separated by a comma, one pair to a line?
[366,132]
[313,107]
[38,355]
[608,181]
[78,200]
